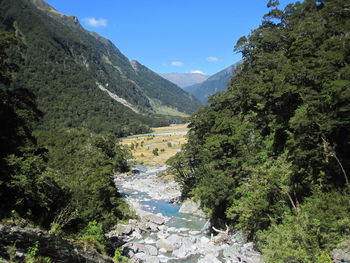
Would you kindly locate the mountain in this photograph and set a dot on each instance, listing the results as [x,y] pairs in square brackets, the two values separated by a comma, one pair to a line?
[81,79]
[217,82]
[185,79]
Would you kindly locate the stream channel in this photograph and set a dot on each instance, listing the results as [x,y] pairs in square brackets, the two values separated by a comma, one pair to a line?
[168,232]
[147,193]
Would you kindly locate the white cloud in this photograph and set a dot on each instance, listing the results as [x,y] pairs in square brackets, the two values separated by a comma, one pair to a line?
[212,59]
[197,72]
[177,63]
[91,21]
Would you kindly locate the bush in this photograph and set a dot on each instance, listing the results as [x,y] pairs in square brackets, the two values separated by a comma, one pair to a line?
[309,235]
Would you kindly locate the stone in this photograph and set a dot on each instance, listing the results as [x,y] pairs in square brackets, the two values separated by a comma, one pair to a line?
[153,251]
[51,246]
[151,259]
[156,219]
[194,233]
[191,207]
[140,248]
[342,252]
[165,244]
[209,259]
[175,240]
[238,237]
[162,250]
[252,257]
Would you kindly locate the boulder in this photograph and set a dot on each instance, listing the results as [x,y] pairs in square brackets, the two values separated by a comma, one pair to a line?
[122,229]
[164,244]
[151,259]
[191,207]
[175,240]
[209,259]
[342,252]
[59,250]
[156,219]
[153,251]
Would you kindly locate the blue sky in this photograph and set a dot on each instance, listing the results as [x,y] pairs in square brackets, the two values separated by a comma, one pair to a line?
[171,35]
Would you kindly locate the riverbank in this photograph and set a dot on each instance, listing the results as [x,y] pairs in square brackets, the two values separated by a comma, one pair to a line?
[163,233]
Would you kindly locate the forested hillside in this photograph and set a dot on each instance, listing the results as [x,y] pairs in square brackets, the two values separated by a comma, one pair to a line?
[58,180]
[80,78]
[271,156]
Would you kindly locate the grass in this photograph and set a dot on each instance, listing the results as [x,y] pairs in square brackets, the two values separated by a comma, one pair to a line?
[168,140]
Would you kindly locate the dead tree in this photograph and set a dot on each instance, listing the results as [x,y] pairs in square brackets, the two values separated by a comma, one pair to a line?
[222,237]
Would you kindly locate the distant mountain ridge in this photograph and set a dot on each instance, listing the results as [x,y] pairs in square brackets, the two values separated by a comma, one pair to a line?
[81,79]
[185,79]
[215,83]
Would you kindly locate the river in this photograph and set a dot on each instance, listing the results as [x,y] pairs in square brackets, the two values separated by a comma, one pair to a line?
[172,236]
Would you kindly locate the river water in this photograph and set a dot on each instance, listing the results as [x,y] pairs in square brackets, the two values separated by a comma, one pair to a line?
[152,195]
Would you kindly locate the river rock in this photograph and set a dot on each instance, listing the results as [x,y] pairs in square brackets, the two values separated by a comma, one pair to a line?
[151,259]
[156,219]
[122,229]
[175,240]
[191,207]
[209,259]
[342,252]
[165,244]
[59,250]
[238,237]
[232,252]
[153,251]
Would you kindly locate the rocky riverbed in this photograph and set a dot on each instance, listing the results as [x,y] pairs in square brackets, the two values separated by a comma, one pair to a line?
[167,232]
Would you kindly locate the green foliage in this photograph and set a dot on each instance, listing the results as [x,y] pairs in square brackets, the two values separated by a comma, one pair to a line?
[84,164]
[271,155]
[155,151]
[119,258]
[92,237]
[63,65]
[310,234]
[33,253]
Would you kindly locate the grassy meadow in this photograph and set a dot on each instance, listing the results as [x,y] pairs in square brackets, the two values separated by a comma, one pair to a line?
[157,147]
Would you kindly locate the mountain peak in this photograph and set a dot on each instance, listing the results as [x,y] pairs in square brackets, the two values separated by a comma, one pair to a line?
[185,79]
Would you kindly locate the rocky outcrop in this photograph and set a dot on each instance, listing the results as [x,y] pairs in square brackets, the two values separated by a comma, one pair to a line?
[191,207]
[58,250]
[341,254]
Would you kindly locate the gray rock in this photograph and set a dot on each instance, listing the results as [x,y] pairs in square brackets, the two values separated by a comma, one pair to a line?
[238,237]
[121,229]
[209,259]
[191,207]
[165,244]
[153,251]
[252,257]
[194,233]
[232,251]
[151,259]
[140,248]
[156,219]
[175,240]
[340,255]
[59,250]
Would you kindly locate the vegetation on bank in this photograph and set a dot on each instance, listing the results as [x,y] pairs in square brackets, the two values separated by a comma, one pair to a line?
[271,155]
[59,179]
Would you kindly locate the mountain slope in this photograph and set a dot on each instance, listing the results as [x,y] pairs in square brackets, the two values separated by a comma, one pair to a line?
[80,78]
[217,82]
[185,79]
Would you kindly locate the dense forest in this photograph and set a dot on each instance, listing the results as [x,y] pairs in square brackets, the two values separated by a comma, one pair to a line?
[63,65]
[59,179]
[271,156]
